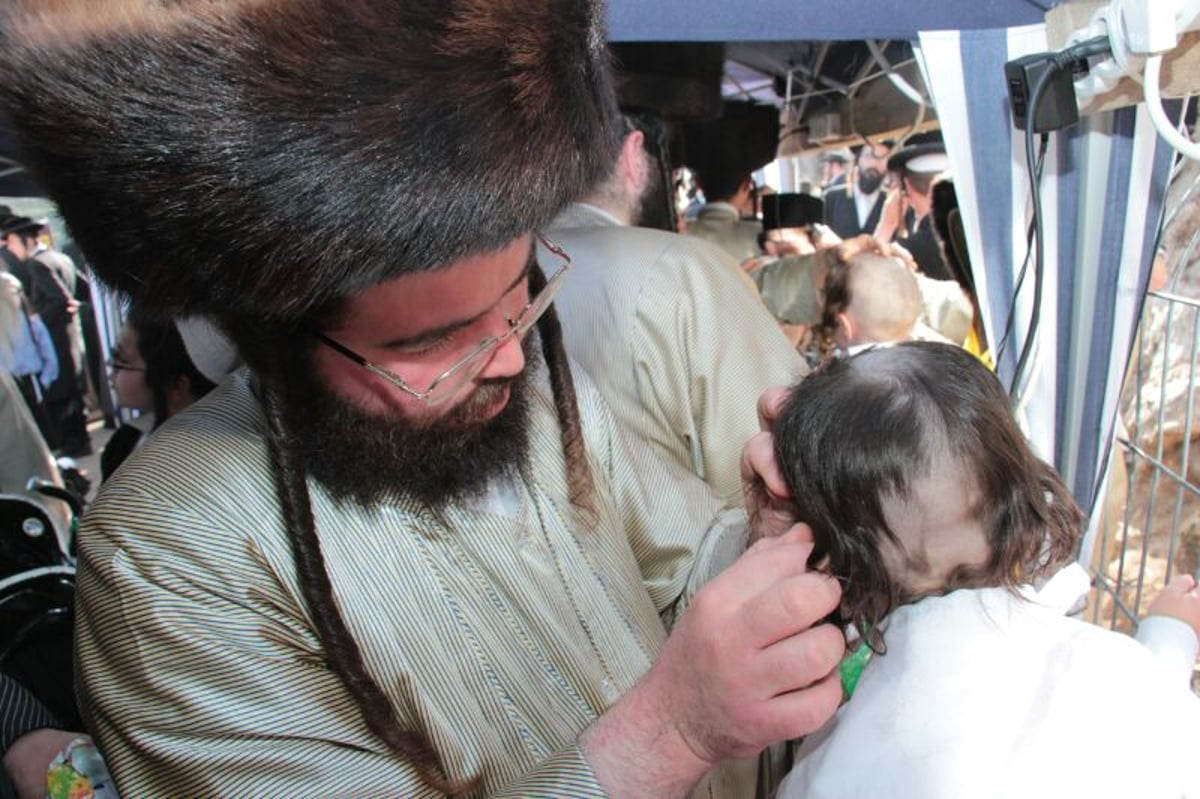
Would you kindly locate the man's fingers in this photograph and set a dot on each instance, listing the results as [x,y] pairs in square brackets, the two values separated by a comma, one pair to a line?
[768,499]
[769,404]
[762,567]
[790,605]
[796,714]
[759,465]
[800,660]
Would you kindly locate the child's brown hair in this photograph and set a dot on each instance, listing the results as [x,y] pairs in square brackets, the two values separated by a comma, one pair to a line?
[865,429]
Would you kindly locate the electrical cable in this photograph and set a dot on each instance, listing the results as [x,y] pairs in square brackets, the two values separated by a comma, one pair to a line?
[1011,315]
[1039,239]
[1061,60]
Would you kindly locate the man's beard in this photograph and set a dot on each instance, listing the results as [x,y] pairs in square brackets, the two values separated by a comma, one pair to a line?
[369,457]
[869,180]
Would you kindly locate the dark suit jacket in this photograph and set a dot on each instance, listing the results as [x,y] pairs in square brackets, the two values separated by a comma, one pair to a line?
[841,214]
[926,250]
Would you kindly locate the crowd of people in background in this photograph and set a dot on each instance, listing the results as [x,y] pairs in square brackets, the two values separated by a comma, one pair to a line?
[880,200]
[50,296]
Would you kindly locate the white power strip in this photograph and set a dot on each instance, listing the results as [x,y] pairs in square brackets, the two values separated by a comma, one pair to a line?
[1139,33]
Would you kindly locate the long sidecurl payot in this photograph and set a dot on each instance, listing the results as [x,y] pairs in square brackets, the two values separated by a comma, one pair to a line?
[258,158]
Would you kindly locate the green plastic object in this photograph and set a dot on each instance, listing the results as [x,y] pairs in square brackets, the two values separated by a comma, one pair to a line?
[852,667]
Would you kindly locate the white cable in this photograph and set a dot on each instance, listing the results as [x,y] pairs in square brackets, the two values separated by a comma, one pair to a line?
[1186,147]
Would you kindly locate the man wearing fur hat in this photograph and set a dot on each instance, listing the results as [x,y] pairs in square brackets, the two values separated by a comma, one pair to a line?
[405,552]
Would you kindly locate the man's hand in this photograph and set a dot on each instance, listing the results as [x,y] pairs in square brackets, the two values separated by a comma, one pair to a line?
[823,237]
[854,245]
[743,668]
[891,218]
[768,499]
[901,254]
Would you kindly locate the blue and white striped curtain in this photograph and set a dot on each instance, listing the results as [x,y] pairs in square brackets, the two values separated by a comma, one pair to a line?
[1102,195]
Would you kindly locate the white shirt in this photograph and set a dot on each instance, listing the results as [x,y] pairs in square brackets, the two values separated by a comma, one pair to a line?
[986,694]
[864,203]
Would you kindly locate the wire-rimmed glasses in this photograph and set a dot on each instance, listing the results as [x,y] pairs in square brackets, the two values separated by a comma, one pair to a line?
[465,369]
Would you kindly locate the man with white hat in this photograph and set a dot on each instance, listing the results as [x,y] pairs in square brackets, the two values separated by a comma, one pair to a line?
[906,218]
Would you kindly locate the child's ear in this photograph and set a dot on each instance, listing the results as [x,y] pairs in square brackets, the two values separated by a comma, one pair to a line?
[847,326]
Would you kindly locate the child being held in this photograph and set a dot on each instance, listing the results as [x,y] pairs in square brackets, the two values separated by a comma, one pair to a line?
[950,538]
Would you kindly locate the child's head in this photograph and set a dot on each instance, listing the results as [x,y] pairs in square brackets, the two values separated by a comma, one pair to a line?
[151,368]
[908,465]
[869,299]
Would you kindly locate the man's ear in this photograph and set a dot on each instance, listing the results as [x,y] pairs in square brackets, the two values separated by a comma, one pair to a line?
[633,160]
[179,394]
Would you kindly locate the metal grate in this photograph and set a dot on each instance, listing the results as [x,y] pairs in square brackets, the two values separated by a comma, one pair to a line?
[1149,528]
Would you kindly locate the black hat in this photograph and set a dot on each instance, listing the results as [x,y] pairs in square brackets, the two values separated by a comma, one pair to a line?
[927,159]
[745,138]
[791,210]
[209,156]
[18,224]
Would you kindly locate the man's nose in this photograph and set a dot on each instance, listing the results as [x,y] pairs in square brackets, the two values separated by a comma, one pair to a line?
[507,360]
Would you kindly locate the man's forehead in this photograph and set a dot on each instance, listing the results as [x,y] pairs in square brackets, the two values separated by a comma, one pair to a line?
[412,304]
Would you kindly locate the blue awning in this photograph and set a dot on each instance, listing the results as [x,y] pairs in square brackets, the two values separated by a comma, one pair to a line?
[809,20]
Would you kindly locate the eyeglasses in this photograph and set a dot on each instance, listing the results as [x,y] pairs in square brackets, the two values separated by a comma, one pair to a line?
[465,369]
[120,366]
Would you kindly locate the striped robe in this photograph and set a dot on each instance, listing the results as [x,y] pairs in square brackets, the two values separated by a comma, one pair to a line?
[500,630]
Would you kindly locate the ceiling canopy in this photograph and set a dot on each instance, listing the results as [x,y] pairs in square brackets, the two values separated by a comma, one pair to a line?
[811,20]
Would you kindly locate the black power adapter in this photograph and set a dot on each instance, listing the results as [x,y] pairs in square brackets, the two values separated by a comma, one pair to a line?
[1057,107]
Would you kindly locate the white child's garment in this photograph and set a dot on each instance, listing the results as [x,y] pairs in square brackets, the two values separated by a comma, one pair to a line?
[985,694]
